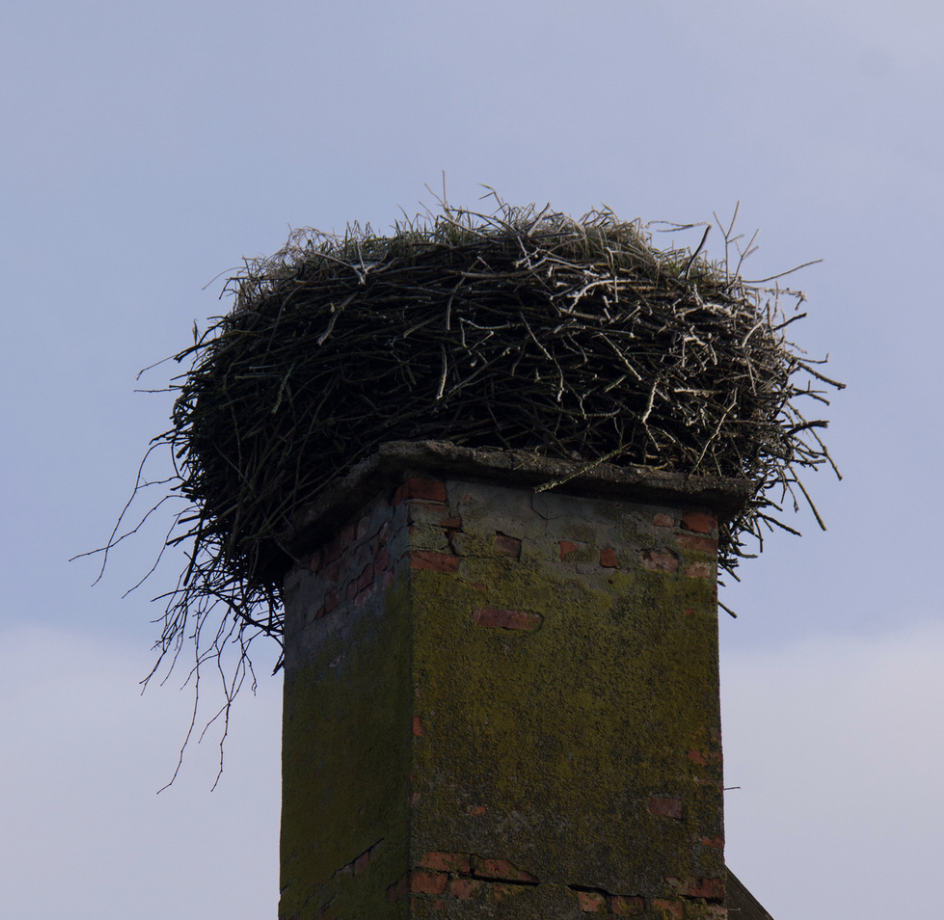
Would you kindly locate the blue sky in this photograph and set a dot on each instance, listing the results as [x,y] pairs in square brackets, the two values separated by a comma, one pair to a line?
[148,148]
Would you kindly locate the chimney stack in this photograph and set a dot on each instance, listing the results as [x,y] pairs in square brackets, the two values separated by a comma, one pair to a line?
[502,701]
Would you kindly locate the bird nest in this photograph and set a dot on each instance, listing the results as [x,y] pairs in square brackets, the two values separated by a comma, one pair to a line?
[527,330]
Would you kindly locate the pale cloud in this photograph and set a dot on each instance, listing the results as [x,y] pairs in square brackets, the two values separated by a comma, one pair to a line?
[83,756]
[836,745]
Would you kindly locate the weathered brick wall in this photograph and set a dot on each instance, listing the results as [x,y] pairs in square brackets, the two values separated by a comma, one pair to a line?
[503,704]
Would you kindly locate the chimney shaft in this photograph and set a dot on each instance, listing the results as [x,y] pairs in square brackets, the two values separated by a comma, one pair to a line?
[502,702]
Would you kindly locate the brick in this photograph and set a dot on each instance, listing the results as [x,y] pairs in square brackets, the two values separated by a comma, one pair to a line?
[425,489]
[592,902]
[476,811]
[666,806]
[663,520]
[658,561]
[435,562]
[496,618]
[698,570]
[501,870]
[465,888]
[507,546]
[699,522]
[703,758]
[502,891]
[716,842]
[399,889]
[422,882]
[712,889]
[701,544]
[608,558]
[382,560]
[418,729]
[673,908]
[626,906]
[331,552]
[363,527]
[366,578]
[566,548]
[457,863]
[346,537]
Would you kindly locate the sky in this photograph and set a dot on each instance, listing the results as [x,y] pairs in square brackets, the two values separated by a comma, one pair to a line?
[148,148]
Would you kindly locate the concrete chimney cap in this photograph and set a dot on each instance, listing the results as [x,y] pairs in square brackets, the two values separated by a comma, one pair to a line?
[396,461]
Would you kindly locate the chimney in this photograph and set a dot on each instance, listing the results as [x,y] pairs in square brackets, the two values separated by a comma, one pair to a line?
[501,700]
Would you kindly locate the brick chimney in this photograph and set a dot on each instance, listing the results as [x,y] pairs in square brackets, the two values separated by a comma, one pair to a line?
[503,702]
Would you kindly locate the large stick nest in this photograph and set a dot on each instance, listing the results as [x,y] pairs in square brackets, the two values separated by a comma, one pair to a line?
[575,339]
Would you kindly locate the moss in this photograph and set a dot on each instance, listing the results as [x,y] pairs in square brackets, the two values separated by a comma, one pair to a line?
[541,746]
[345,769]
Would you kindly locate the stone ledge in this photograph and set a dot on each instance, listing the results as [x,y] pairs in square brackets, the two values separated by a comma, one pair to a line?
[396,461]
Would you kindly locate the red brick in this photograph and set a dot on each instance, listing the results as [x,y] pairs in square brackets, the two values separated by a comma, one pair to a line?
[363,527]
[712,889]
[366,578]
[418,729]
[716,842]
[458,863]
[675,908]
[507,546]
[435,562]
[699,521]
[382,560]
[698,570]
[566,548]
[476,811]
[496,618]
[624,906]
[592,902]
[608,558]
[666,806]
[663,520]
[428,882]
[464,888]
[704,757]
[360,864]
[701,544]
[501,870]
[659,561]
[425,489]
[399,889]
